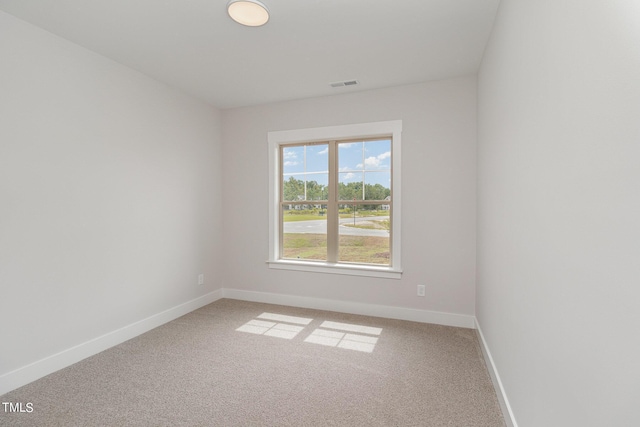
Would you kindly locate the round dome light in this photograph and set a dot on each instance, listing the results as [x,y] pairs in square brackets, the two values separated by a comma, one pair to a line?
[251,13]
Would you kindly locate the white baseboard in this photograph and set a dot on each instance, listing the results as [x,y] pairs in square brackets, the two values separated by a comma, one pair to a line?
[26,374]
[389,312]
[495,378]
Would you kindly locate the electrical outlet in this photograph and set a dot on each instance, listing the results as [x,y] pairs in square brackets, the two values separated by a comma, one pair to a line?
[421,290]
[201,279]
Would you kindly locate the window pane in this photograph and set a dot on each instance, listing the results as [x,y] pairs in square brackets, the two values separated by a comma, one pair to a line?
[364,234]
[350,186]
[304,234]
[377,185]
[377,155]
[292,160]
[350,156]
[317,158]
[317,186]
[305,174]
[292,188]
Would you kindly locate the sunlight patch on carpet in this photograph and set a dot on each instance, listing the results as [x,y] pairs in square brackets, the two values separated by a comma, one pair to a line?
[283,318]
[331,334]
[351,328]
[271,329]
[343,340]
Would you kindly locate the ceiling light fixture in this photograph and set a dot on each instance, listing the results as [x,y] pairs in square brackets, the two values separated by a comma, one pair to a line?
[251,13]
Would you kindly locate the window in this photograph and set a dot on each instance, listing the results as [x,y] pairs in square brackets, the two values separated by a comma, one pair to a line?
[335,199]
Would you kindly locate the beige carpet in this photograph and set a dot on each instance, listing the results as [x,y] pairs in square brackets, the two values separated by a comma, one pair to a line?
[236,363]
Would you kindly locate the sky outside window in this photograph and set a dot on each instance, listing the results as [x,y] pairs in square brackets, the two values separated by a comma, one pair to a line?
[366,162]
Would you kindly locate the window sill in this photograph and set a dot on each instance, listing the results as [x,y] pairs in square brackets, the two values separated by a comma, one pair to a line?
[345,269]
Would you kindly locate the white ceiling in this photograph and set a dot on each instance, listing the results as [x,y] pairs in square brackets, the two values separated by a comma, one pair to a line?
[305,46]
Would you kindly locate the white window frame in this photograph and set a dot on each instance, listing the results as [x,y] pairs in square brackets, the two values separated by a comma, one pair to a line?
[278,139]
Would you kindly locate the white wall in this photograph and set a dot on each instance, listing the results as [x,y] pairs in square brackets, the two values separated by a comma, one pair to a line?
[559,209]
[438,186]
[109,195]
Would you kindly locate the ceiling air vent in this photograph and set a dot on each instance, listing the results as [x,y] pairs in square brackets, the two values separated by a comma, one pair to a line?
[345,83]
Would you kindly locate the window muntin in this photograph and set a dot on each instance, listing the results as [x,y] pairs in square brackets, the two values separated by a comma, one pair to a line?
[356,232]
